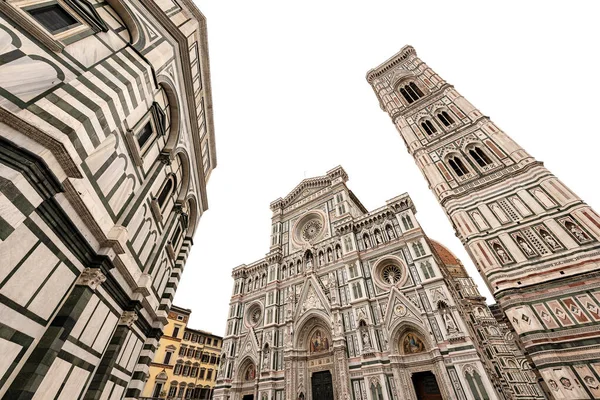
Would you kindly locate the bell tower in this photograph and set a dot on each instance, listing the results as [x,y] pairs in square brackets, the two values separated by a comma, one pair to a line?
[534,241]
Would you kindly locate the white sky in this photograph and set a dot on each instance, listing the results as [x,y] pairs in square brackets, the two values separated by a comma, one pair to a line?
[291,101]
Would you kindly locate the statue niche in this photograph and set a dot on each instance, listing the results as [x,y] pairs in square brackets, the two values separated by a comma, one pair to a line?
[319,342]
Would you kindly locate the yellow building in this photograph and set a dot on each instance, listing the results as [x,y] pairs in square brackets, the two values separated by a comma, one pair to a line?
[185,364]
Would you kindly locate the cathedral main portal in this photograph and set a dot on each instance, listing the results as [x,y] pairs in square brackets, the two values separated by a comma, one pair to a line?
[426,386]
[322,386]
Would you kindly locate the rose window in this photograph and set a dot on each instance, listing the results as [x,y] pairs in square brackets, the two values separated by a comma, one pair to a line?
[311,229]
[391,274]
[254,315]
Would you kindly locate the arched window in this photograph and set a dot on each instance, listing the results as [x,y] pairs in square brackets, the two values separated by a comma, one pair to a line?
[480,157]
[458,166]
[283,272]
[165,192]
[418,249]
[428,271]
[264,280]
[476,385]
[411,92]
[445,118]
[428,127]
[407,222]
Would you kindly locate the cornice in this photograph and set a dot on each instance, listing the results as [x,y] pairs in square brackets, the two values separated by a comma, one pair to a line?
[390,63]
[182,42]
[483,181]
[58,149]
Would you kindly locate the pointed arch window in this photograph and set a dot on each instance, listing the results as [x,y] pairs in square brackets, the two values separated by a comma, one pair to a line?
[428,271]
[357,290]
[480,157]
[407,222]
[418,249]
[476,385]
[428,127]
[446,119]
[458,166]
[411,92]
[376,392]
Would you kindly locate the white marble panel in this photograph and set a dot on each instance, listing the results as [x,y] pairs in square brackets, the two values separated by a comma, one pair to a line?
[74,385]
[14,248]
[8,352]
[53,380]
[88,51]
[105,333]
[30,275]
[94,324]
[52,292]
[84,317]
[27,78]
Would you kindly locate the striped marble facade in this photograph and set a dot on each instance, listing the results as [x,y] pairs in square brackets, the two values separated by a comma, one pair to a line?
[106,145]
[534,241]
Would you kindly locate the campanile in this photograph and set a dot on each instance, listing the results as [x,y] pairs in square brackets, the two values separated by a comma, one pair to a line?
[533,240]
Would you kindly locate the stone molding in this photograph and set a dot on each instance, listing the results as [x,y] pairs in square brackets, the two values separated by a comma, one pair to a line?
[58,150]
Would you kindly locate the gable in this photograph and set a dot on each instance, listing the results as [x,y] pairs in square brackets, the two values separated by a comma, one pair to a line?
[312,297]
[399,307]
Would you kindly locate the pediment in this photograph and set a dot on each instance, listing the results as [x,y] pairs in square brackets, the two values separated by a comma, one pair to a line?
[305,189]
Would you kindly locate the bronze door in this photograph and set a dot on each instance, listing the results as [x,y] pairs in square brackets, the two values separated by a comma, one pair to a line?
[322,387]
[426,386]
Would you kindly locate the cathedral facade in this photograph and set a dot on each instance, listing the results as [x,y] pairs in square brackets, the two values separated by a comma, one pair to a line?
[362,305]
[535,242]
